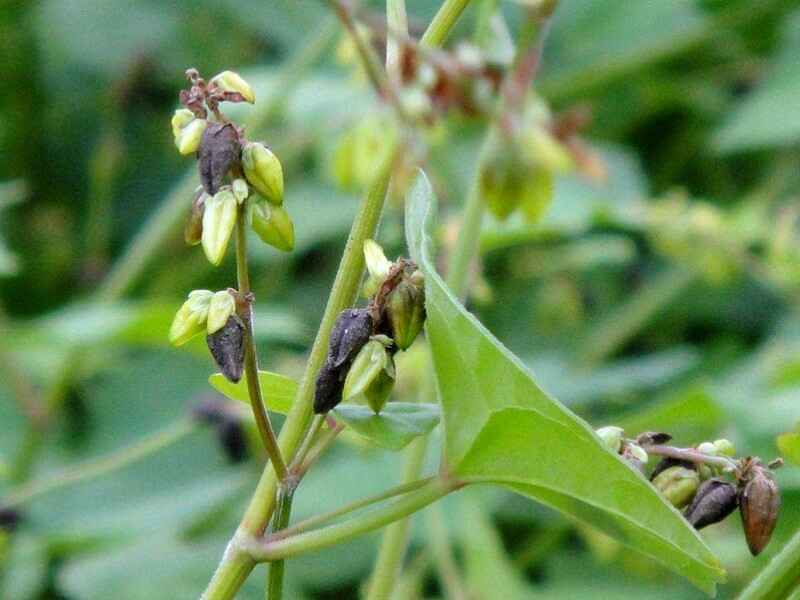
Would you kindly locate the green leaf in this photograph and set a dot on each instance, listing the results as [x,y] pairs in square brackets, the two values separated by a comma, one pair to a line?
[396,425]
[501,428]
[789,445]
[279,391]
[770,116]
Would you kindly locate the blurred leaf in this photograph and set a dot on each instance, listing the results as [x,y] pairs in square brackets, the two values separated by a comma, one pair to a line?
[396,425]
[279,391]
[489,572]
[501,428]
[770,115]
[789,445]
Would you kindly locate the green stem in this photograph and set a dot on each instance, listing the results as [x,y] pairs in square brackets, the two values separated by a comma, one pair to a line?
[318,539]
[443,22]
[103,465]
[236,565]
[395,538]
[318,520]
[443,556]
[250,358]
[280,521]
[780,578]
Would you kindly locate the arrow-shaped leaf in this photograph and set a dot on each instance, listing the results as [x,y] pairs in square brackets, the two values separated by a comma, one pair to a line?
[500,427]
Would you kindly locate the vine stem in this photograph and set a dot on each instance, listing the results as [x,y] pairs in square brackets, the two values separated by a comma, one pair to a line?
[236,563]
[277,568]
[270,550]
[691,455]
[250,358]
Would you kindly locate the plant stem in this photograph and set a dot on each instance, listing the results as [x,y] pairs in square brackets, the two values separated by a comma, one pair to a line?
[103,465]
[443,22]
[780,578]
[236,564]
[318,539]
[395,538]
[280,521]
[443,556]
[691,455]
[250,359]
[317,520]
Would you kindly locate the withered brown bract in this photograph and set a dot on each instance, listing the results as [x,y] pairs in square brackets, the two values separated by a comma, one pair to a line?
[227,348]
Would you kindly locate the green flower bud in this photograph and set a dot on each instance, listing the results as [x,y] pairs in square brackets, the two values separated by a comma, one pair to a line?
[190,318]
[193,231]
[637,452]
[264,172]
[707,448]
[678,485]
[724,447]
[273,225]
[546,151]
[611,436]
[240,189]
[230,81]
[377,266]
[188,134]
[219,219]
[405,310]
[221,307]
[371,375]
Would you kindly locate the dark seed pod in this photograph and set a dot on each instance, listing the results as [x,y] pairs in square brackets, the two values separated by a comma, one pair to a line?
[220,150]
[231,436]
[227,348]
[714,501]
[667,462]
[350,332]
[759,504]
[9,519]
[211,411]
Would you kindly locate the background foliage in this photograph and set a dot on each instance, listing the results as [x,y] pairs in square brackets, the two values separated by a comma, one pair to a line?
[664,298]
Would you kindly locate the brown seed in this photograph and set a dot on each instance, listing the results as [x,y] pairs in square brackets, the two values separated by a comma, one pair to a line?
[759,503]
[714,501]
[227,348]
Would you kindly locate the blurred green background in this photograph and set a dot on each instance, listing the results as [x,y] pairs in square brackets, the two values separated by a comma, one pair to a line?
[662,296]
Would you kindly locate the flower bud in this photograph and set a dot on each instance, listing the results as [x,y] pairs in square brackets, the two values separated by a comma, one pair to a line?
[220,151]
[714,501]
[405,310]
[612,437]
[677,484]
[377,266]
[707,448]
[227,348]
[372,374]
[351,331]
[180,119]
[219,220]
[724,447]
[230,81]
[221,307]
[264,172]
[273,225]
[188,139]
[759,504]
[190,318]
[240,189]
[193,231]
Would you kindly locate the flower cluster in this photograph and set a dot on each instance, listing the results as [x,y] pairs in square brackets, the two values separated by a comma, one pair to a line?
[236,174]
[360,363]
[708,482]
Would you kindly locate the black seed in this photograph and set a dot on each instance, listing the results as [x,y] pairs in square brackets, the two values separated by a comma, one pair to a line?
[328,392]
[9,519]
[230,434]
[227,348]
[350,332]
[219,151]
[714,501]
[649,438]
